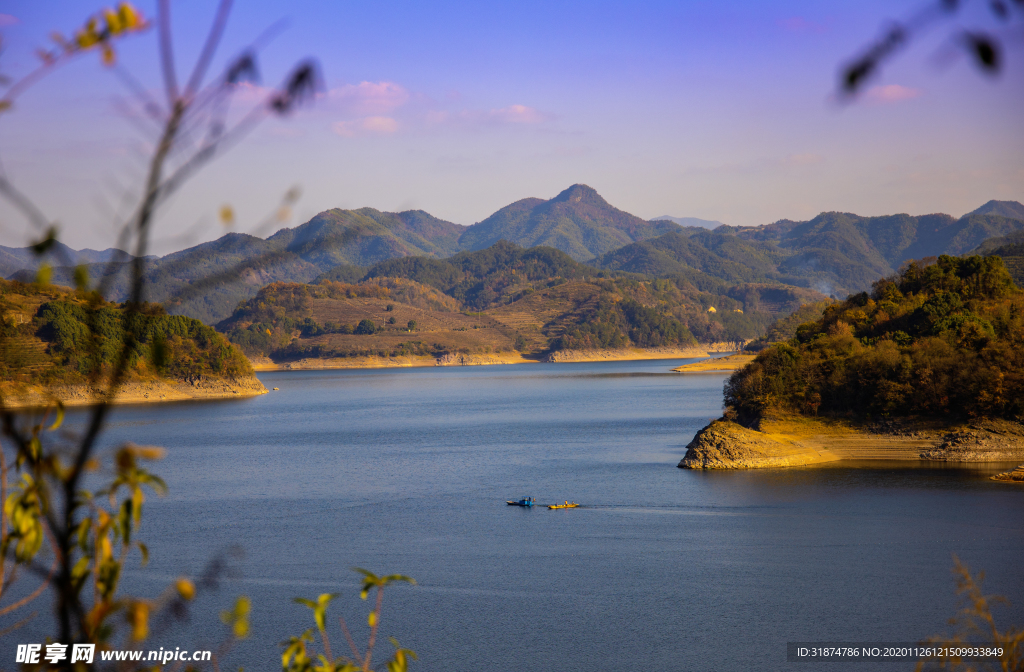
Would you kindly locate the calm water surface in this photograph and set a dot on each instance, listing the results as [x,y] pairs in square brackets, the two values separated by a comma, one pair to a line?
[662,569]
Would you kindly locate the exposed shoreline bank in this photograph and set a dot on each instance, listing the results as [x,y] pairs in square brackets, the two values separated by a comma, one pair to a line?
[717,365]
[793,441]
[486,359]
[136,392]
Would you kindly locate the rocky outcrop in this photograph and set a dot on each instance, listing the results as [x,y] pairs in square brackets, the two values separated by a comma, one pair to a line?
[981,441]
[727,445]
[786,441]
[1015,476]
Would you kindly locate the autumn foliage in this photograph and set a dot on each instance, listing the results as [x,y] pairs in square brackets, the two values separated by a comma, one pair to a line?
[944,337]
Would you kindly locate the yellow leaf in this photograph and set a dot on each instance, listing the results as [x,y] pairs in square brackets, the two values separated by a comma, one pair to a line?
[113,20]
[186,589]
[372,619]
[138,615]
[108,55]
[227,215]
[150,452]
[130,17]
[44,274]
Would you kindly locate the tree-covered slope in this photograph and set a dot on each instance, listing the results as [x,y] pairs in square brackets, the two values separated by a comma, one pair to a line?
[52,335]
[479,279]
[719,255]
[943,339]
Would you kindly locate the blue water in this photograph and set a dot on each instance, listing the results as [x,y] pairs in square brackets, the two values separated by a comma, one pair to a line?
[661,569]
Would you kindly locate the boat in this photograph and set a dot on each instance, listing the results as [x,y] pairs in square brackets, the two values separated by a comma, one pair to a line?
[567,505]
[525,501]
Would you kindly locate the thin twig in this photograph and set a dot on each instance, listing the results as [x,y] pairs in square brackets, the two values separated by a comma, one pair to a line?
[212,39]
[167,53]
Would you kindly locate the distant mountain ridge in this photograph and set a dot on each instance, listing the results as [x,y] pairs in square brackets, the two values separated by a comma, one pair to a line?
[690,221]
[834,253]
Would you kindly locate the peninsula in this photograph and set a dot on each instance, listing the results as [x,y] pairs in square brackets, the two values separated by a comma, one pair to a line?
[60,345]
[927,366]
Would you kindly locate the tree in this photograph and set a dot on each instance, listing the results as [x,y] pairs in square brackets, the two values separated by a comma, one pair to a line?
[88,536]
[984,47]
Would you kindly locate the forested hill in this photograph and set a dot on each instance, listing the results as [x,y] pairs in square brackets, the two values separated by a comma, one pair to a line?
[942,339]
[845,253]
[56,336]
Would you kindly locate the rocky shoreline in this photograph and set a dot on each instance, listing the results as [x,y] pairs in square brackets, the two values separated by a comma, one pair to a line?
[136,392]
[1015,476]
[798,441]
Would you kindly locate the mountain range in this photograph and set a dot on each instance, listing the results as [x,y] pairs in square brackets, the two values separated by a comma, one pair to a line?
[834,253]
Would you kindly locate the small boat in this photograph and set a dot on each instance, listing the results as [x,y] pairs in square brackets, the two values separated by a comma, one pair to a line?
[525,501]
[567,505]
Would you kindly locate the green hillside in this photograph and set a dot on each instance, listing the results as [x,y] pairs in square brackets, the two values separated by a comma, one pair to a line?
[698,255]
[482,278]
[841,253]
[392,317]
[55,336]
[942,339]
[577,221]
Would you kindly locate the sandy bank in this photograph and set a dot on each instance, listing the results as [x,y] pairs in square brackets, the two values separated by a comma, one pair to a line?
[319,363]
[799,441]
[455,359]
[718,364]
[624,354]
[136,392]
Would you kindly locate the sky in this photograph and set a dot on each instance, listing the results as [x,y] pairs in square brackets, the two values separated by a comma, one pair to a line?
[722,110]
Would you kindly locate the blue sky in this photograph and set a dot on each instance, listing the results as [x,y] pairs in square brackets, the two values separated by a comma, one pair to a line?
[720,110]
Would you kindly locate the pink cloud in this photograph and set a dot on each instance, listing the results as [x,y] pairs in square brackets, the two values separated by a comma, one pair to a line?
[517,114]
[365,126]
[798,24]
[8,20]
[512,115]
[891,93]
[369,98]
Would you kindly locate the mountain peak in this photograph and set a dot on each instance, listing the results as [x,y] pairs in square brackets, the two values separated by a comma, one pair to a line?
[580,193]
[1011,209]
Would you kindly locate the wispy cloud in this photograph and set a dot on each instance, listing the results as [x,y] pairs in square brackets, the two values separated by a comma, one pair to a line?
[366,126]
[368,98]
[513,115]
[891,93]
[517,114]
[387,108]
[8,20]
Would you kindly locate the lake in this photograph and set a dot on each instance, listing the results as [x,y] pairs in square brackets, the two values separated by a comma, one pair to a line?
[408,471]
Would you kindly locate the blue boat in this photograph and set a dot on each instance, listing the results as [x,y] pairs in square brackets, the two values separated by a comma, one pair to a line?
[525,501]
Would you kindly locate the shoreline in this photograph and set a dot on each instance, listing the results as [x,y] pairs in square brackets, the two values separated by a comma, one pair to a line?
[796,441]
[261,364]
[725,364]
[136,392]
